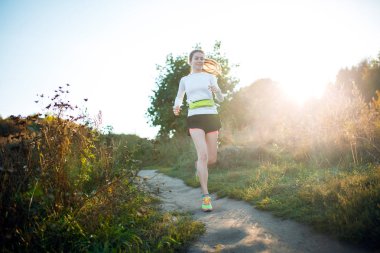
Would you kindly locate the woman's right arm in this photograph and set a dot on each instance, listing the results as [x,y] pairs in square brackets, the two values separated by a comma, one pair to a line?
[179,98]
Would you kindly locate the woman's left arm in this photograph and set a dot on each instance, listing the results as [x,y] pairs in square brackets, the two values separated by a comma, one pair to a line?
[214,87]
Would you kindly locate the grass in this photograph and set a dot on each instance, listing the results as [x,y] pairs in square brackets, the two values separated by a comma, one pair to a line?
[134,224]
[84,198]
[343,202]
[68,187]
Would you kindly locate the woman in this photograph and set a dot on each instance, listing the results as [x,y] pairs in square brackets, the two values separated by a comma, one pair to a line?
[203,120]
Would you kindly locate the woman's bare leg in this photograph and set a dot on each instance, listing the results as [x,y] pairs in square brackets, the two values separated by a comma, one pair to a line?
[212,147]
[199,139]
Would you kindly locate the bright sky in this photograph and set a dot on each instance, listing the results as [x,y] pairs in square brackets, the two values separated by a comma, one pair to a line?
[108,50]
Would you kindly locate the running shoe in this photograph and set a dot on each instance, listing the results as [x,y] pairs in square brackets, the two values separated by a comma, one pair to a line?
[206,204]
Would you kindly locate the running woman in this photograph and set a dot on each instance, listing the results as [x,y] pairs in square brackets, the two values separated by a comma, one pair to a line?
[202,120]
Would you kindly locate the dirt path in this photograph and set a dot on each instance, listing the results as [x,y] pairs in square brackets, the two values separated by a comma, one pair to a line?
[235,226]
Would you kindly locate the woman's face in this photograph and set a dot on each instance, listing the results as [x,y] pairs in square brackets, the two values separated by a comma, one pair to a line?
[197,61]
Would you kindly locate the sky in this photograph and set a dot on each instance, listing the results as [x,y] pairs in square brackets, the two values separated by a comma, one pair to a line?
[108,50]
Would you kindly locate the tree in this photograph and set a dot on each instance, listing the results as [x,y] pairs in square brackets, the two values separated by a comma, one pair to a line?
[253,104]
[160,112]
[366,76]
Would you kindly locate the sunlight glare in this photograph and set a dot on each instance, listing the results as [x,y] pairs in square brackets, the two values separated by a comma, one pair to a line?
[300,90]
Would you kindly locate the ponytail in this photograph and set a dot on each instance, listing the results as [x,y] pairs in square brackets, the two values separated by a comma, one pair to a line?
[212,67]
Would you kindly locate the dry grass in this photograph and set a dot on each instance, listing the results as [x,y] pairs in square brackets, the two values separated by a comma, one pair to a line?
[318,164]
[66,187]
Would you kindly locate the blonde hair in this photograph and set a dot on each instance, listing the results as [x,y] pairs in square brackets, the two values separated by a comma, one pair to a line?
[210,66]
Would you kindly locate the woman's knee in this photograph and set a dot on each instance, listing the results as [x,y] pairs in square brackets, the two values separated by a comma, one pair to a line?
[202,156]
[212,160]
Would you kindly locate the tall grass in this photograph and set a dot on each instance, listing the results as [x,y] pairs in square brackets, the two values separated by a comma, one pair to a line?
[66,187]
[337,128]
[318,164]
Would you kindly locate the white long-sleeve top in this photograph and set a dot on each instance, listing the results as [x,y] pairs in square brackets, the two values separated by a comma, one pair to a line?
[196,87]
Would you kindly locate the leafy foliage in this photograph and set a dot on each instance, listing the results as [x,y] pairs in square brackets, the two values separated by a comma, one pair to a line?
[365,76]
[66,187]
[253,104]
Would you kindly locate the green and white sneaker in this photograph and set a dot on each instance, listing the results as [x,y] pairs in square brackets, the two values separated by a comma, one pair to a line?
[206,203]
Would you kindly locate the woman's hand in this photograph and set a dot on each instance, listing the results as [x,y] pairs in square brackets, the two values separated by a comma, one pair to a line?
[176,110]
[213,88]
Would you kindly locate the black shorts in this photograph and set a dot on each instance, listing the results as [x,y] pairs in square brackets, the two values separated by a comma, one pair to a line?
[206,122]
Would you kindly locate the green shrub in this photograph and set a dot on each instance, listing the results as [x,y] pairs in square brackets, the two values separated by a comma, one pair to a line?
[65,187]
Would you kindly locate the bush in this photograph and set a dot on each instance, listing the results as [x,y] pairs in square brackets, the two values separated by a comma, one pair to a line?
[65,187]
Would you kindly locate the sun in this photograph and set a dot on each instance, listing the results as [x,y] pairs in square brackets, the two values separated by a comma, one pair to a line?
[300,90]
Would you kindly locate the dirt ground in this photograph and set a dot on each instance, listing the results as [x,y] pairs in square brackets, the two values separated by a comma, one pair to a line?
[236,226]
